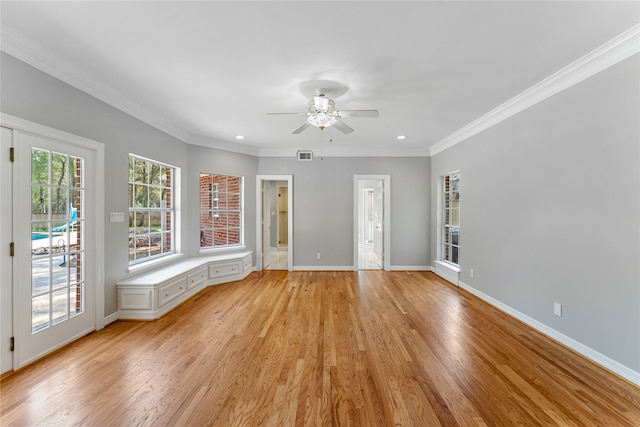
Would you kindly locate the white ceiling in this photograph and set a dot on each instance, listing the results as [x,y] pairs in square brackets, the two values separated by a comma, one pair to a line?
[207,71]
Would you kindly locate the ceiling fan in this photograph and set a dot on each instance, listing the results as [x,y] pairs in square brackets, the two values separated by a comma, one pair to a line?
[322,113]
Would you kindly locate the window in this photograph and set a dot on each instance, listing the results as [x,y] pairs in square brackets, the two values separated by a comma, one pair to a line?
[151,209]
[451,218]
[220,211]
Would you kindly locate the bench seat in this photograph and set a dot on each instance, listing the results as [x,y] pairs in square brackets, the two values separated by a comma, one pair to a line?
[151,295]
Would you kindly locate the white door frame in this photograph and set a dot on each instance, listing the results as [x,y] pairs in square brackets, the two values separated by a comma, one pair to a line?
[6,236]
[386,222]
[259,180]
[265,226]
[20,125]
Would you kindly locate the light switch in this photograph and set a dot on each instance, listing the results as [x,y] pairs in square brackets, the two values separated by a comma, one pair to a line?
[116,216]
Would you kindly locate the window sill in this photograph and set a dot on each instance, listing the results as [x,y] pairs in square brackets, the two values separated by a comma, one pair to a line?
[222,250]
[149,265]
[447,271]
[448,266]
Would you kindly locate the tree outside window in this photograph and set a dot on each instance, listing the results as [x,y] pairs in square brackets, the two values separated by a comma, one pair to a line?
[151,209]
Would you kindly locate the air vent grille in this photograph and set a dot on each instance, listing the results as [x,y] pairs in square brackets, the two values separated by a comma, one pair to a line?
[305,156]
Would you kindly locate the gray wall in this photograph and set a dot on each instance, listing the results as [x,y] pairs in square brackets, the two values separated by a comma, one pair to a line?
[550,211]
[323,207]
[207,160]
[33,95]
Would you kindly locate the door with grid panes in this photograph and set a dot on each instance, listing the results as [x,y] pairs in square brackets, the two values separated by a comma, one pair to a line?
[54,201]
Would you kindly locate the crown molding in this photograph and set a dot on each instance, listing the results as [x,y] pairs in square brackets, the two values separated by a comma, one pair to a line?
[342,151]
[34,55]
[612,52]
[205,141]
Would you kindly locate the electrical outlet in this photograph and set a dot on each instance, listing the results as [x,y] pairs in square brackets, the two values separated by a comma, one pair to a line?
[471,272]
[318,255]
[557,309]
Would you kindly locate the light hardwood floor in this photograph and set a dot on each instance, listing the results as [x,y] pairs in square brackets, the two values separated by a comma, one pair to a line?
[368,348]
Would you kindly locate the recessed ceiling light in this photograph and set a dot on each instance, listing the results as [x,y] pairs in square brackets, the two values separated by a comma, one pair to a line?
[239,137]
[401,137]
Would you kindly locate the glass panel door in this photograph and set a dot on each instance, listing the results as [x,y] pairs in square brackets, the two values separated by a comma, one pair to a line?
[54,200]
[57,279]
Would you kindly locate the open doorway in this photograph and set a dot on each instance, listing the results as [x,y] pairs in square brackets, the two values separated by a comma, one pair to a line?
[371,222]
[274,223]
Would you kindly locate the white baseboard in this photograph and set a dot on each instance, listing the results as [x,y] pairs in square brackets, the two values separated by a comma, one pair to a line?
[591,354]
[446,271]
[350,268]
[411,268]
[111,318]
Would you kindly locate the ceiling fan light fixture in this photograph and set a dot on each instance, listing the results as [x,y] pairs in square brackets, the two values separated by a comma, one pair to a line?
[321,120]
[321,104]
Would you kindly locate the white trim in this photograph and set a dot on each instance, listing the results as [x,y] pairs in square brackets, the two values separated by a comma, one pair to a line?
[221,250]
[447,271]
[348,152]
[591,354]
[612,52]
[153,263]
[411,268]
[17,123]
[323,268]
[386,221]
[233,147]
[34,55]
[259,180]
[6,262]
[111,318]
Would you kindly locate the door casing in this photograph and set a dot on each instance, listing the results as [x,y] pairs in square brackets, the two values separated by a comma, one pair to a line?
[386,249]
[260,179]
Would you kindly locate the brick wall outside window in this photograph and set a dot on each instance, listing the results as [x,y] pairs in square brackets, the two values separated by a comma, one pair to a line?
[220,211]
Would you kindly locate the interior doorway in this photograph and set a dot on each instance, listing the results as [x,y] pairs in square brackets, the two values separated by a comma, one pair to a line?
[274,223]
[371,222]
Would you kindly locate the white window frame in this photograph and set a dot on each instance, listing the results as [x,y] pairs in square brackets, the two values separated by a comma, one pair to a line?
[213,208]
[151,260]
[446,226]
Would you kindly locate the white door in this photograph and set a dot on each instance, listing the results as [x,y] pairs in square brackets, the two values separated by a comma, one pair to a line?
[266,224]
[378,223]
[54,209]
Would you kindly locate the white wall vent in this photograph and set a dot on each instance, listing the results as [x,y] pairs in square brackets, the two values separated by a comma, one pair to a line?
[305,156]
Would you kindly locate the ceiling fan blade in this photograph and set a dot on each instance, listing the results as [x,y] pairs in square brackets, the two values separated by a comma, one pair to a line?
[342,127]
[281,114]
[374,114]
[301,128]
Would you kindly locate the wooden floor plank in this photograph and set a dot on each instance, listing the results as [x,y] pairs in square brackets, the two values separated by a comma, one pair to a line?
[368,348]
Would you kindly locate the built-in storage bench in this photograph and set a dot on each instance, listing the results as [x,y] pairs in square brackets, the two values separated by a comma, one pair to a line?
[151,295]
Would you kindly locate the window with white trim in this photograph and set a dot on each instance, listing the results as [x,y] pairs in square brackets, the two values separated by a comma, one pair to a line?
[220,211]
[151,209]
[451,218]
